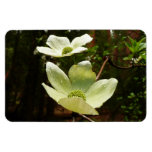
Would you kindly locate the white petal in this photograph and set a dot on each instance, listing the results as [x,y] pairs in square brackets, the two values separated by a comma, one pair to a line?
[86,64]
[48,51]
[58,43]
[78,105]
[53,93]
[100,92]
[82,76]
[58,78]
[80,41]
[79,49]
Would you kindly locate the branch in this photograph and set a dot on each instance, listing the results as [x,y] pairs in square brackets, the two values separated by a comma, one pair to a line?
[129,67]
[86,117]
[101,69]
[119,67]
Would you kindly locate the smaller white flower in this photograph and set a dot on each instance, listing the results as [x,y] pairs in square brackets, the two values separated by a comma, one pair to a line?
[61,46]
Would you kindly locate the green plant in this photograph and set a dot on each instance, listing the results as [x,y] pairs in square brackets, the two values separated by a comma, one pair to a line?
[137,49]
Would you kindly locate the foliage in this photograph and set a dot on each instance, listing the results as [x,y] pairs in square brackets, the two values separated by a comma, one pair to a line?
[137,49]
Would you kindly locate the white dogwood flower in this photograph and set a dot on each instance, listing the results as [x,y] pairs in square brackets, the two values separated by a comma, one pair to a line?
[61,46]
[79,91]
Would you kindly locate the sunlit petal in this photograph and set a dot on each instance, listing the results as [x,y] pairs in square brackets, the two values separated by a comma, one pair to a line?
[82,76]
[48,51]
[58,43]
[100,92]
[80,41]
[53,93]
[78,105]
[58,78]
[79,50]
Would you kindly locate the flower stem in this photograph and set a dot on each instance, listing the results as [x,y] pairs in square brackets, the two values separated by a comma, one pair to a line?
[73,119]
[86,117]
[101,69]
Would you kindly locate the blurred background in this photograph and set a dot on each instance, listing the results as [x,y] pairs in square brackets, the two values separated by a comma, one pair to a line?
[26,99]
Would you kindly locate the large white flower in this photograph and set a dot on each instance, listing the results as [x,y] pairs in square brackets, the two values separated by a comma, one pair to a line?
[61,46]
[79,92]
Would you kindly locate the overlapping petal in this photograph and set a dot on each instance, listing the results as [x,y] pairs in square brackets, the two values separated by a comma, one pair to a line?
[53,93]
[80,41]
[77,50]
[82,76]
[48,51]
[100,92]
[58,78]
[86,64]
[78,105]
[58,43]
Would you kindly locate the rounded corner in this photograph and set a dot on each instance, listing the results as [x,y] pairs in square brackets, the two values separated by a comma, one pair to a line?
[7,32]
[143,32]
[8,119]
[144,119]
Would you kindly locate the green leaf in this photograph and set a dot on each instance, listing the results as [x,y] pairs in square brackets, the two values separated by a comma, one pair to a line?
[143,56]
[129,57]
[106,52]
[143,39]
[133,42]
[142,46]
[135,46]
[130,47]
[77,105]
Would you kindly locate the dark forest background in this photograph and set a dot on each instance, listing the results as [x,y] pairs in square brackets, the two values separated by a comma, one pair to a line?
[26,99]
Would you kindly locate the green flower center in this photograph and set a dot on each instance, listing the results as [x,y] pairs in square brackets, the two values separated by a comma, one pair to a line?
[77,93]
[67,50]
